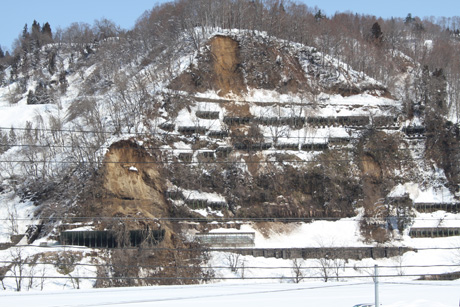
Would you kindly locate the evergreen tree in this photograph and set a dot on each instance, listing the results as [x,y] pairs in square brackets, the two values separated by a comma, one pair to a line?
[42,95]
[12,138]
[25,32]
[35,28]
[52,63]
[25,39]
[438,93]
[63,84]
[2,54]
[2,75]
[409,19]
[35,60]
[376,33]
[15,67]
[319,15]
[3,142]
[31,99]
[35,42]
[46,30]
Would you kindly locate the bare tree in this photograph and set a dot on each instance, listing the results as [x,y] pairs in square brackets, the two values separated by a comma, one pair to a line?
[298,270]
[3,271]
[65,264]
[325,268]
[338,266]
[13,219]
[233,261]
[18,262]
[399,262]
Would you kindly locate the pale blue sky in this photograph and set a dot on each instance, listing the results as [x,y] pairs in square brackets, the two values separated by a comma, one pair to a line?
[60,13]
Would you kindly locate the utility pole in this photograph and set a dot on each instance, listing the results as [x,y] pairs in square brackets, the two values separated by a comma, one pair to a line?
[376,285]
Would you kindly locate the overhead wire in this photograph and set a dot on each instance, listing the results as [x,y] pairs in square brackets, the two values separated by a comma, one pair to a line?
[194,267]
[205,248]
[209,278]
[352,219]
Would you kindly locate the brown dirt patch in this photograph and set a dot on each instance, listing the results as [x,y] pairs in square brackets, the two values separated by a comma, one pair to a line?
[237,109]
[372,179]
[371,168]
[269,228]
[131,186]
[131,175]
[226,63]
[218,69]
[252,162]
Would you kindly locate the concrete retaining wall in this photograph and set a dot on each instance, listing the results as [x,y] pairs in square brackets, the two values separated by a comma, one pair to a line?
[356,253]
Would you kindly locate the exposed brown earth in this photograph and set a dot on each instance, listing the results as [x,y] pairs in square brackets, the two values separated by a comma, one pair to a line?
[226,61]
[131,186]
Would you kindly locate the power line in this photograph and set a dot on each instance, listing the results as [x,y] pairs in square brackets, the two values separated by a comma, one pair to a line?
[174,134]
[254,148]
[57,263]
[204,162]
[208,278]
[205,248]
[217,219]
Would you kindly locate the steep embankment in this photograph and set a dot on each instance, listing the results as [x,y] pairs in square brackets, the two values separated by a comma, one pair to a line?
[129,187]
[238,63]
[257,127]
[132,182]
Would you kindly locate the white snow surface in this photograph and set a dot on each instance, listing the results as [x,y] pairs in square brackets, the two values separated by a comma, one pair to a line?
[344,232]
[422,195]
[407,294]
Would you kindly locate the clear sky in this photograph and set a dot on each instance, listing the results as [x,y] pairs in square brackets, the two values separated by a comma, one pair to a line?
[61,13]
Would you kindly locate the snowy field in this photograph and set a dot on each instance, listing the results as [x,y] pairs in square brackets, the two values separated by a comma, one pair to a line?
[408,294]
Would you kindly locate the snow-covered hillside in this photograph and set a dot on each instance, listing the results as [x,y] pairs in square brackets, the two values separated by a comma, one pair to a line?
[234,132]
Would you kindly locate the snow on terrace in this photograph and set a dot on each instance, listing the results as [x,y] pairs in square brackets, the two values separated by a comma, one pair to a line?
[194,194]
[270,104]
[18,114]
[418,195]
[187,118]
[341,233]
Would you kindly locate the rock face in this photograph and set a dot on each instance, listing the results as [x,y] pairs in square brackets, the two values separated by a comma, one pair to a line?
[131,187]
[131,174]
[226,64]
[132,182]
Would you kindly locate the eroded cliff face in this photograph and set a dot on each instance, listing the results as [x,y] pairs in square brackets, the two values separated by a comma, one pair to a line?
[218,69]
[131,187]
[130,174]
[132,182]
[232,66]
[226,64]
